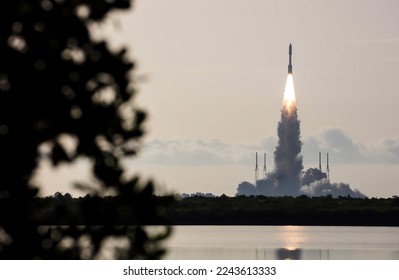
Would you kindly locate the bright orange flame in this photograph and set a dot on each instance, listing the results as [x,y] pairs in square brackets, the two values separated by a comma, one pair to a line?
[289,101]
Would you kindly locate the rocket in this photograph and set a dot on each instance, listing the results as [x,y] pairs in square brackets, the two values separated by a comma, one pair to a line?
[290,65]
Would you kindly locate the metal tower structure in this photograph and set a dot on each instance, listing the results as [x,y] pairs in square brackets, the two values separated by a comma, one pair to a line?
[264,165]
[320,162]
[256,170]
[328,170]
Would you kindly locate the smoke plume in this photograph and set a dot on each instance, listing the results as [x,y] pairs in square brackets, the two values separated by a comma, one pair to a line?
[287,158]
[287,178]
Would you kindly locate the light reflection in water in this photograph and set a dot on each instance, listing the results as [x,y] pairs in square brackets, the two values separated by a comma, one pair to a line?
[292,237]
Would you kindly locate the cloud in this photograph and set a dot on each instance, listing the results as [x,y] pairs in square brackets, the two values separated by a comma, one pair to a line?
[190,152]
[392,149]
[343,149]
[204,152]
[336,142]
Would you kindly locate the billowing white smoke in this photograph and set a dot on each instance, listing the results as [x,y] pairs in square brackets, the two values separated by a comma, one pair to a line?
[321,188]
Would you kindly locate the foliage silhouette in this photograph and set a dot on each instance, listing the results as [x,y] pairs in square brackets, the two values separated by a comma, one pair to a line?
[57,83]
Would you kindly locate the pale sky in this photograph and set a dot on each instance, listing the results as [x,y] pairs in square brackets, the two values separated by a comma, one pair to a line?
[212,75]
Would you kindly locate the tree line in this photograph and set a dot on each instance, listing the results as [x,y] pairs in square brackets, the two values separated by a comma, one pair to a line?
[302,210]
[260,210]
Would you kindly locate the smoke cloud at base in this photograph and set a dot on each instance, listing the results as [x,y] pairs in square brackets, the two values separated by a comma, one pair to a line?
[266,187]
[313,183]
[334,189]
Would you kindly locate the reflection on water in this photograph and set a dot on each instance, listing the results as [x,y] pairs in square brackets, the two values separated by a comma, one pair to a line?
[283,242]
[288,254]
[292,237]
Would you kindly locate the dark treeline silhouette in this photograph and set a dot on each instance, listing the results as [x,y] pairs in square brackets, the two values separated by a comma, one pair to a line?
[302,210]
[56,83]
[94,210]
[222,210]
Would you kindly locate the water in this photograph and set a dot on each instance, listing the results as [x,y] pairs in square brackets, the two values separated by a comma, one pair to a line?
[283,242]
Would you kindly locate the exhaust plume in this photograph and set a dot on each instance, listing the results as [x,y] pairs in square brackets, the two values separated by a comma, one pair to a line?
[287,158]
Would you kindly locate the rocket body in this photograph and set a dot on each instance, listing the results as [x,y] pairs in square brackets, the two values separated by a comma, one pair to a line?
[290,64]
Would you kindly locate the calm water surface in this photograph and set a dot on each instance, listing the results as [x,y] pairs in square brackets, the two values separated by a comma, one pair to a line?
[283,242]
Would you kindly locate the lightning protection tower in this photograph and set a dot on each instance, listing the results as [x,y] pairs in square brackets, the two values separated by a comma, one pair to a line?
[264,166]
[256,170]
[328,170]
[320,161]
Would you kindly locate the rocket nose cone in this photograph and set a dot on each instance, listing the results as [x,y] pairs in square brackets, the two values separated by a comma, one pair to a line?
[290,49]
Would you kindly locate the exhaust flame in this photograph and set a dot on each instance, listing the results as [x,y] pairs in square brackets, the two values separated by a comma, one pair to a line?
[289,101]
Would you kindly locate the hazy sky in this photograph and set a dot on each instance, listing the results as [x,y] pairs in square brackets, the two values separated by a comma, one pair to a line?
[215,72]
